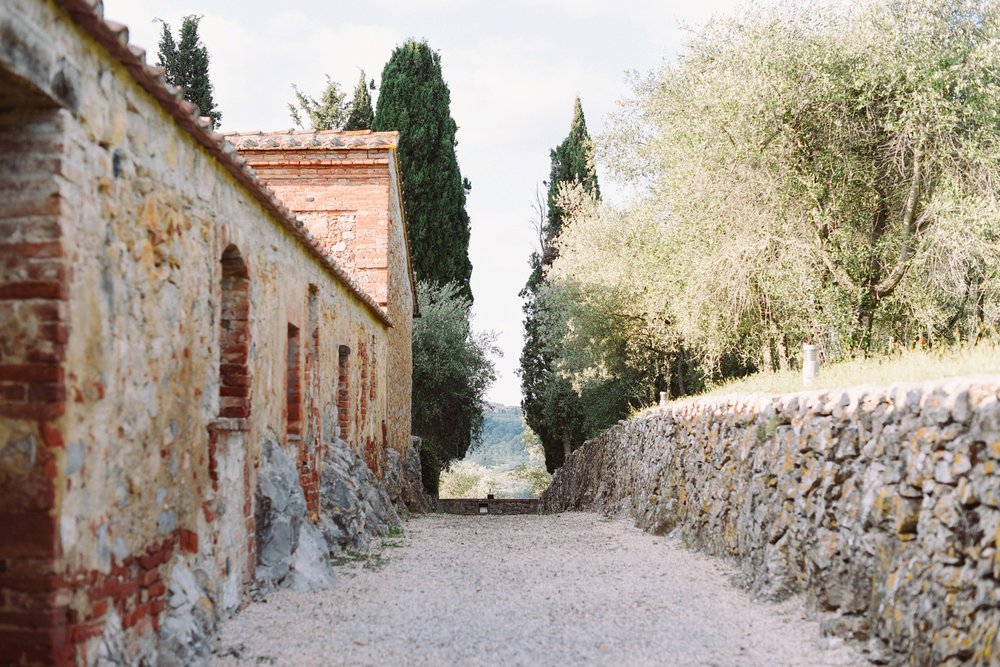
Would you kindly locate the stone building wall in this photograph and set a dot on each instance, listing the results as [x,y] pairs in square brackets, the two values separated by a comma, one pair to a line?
[882,505]
[346,187]
[162,317]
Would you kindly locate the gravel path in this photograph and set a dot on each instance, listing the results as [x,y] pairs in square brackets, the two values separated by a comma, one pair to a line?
[569,589]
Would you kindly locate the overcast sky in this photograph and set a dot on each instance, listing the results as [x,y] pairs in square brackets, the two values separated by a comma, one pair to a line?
[513,66]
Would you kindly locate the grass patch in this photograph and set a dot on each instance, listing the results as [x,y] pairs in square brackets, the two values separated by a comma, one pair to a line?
[906,366]
[348,557]
[375,561]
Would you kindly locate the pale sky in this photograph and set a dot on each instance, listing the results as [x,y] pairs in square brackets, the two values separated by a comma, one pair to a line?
[513,67]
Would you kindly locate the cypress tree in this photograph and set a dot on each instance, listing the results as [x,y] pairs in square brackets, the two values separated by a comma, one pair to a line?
[415,100]
[552,409]
[186,65]
[360,116]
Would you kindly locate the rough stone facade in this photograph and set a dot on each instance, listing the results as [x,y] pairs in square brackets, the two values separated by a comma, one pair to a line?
[162,316]
[346,187]
[882,505]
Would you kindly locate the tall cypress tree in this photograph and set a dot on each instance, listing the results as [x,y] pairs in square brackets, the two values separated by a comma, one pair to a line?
[551,407]
[415,100]
[360,115]
[186,65]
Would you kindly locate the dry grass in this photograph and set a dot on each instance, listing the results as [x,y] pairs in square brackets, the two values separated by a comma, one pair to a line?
[908,366]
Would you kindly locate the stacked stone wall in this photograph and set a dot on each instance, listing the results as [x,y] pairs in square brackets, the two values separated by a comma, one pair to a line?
[881,505]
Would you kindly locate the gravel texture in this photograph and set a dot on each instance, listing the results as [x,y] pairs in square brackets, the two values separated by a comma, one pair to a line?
[567,589]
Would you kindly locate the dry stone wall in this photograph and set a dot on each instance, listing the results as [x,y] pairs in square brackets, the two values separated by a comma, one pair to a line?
[881,505]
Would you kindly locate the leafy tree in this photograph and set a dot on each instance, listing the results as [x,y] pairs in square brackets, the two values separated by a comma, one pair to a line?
[186,65]
[810,173]
[551,405]
[452,370]
[360,115]
[329,112]
[415,100]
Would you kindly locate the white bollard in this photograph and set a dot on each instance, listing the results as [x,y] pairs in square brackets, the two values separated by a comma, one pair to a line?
[663,398]
[810,363]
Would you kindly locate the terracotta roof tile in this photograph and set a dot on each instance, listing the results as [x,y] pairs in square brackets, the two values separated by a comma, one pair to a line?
[360,139]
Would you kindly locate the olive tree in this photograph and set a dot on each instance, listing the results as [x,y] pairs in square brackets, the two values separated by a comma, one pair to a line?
[826,172]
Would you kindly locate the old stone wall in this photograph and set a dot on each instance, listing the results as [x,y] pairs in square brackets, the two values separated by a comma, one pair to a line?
[346,188]
[881,505]
[162,317]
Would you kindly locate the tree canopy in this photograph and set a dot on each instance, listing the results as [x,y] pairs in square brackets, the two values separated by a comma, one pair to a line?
[186,65]
[360,115]
[329,112]
[414,99]
[452,370]
[810,172]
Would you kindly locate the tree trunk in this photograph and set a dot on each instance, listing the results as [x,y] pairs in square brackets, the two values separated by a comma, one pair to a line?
[766,357]
[567,446]
[782,353]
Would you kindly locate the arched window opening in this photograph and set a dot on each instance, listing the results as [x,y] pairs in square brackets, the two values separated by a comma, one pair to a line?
[293,387]
[343,392]
[234,337]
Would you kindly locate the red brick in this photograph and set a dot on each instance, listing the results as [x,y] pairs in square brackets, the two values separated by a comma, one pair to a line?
[32,372]
[84,631]
[189,541]
[27,534]
[54,333]
[51,249]
[32,410]
[52,435]
[56,354]
[13,392]
[45,228]
[99,609]
[46,393]
[33,290]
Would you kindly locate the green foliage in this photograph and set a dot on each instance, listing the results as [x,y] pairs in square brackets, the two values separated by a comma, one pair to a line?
[186,65]
[329,112]
[552,405]
[430,468]
[415,100]
[572,162]
[360,115]
[817,173]
[452,370]
[811,172]
[511,467]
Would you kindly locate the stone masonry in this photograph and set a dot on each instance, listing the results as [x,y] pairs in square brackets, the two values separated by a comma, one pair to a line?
[346,187]
[164,317]
[881,505]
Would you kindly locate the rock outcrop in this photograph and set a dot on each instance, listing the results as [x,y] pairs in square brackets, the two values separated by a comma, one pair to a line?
[354,506]
[291,550]
[882,505]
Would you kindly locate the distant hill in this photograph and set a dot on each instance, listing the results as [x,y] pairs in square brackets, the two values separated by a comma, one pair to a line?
[502,445]
[508,461]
